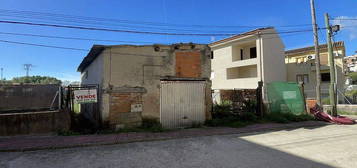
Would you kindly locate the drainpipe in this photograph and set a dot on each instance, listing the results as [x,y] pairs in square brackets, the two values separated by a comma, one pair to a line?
[260,57]
[260,83]
[110,66]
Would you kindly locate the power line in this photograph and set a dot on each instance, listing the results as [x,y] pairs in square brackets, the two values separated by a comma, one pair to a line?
[86,50]
[342,19]
[32,14]
[75,49]
[130,31]
[72,38]
[42,45]
[96,23]
[91,39]
[111,30]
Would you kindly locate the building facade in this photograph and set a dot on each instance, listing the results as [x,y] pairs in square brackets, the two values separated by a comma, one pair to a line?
[136,82]
[350,63]
[301,67]
[241,61]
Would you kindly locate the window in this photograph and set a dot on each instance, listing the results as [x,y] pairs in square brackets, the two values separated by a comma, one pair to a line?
[212,55]
[300,60]
[85,75]
[302,78]
[253,52]
[325,77]
[241,54]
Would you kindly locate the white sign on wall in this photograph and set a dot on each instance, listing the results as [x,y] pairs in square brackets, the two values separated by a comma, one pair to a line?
[289,95]
[136,108]
[85,96]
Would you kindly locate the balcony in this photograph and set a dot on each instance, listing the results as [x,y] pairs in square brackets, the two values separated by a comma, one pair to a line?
[249,71]
[246,62]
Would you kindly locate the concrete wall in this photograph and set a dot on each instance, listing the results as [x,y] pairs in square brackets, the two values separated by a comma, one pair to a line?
[273,54]
[343,108]
[27,97]
[93,73]
[129,69]
[34,122]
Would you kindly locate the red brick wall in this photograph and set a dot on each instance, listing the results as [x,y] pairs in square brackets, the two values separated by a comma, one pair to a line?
[310,103]
[188,64]
[120,108]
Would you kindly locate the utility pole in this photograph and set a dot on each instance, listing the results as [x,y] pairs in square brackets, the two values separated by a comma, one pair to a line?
[317,53]
[332,89]
[27,68]
[2,77]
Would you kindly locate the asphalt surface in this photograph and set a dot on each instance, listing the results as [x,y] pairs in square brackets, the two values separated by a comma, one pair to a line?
[327,146]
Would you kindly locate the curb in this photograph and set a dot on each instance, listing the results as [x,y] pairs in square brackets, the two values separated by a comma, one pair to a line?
[236,131]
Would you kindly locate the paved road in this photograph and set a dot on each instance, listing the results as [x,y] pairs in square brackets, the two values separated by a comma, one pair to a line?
[328,146]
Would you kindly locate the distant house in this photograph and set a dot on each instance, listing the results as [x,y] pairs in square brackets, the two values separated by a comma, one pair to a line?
[301,67]
[241,61]
[169,83]
[350,63]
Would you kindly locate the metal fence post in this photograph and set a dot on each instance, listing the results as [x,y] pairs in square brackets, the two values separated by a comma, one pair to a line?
[259,96]
[302,91]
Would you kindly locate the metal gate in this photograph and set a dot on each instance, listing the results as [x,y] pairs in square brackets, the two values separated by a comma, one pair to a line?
[182,103]
[90,110]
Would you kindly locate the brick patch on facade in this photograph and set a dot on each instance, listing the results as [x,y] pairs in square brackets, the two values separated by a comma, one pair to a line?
[121,109]
[188,64]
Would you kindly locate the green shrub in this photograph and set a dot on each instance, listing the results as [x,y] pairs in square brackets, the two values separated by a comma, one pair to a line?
[351,93]
[276,117]
[288,117]
[248,116]
[353,76]
[67,133]
[226,115]
[226,122]
[151,124]
[196,125]
[223,110]
[326,101]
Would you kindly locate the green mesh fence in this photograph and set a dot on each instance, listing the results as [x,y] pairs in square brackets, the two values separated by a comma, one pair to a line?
[285,97]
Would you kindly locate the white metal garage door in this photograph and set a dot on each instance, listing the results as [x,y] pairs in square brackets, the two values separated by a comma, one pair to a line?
[182,103]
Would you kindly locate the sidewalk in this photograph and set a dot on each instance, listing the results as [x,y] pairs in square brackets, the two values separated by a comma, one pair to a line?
[30,143]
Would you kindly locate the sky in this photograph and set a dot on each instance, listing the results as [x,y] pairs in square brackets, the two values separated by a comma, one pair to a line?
[182,16]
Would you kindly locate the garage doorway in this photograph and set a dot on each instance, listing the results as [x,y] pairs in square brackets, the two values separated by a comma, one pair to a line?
[182,103]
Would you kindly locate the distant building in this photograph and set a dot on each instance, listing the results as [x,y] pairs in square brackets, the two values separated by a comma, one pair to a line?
[301,67]
[169,83]
[350,63]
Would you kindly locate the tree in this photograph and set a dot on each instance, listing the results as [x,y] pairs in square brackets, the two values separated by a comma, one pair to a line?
[353,76]
[36,80]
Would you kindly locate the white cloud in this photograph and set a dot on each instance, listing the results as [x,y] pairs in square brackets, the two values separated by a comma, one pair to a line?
[347,23]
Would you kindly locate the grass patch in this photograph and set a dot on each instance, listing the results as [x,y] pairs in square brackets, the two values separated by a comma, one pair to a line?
[148,125]
[248,119]
[341,112]
[224,117]
[288,117]
[226,122]
[67,133]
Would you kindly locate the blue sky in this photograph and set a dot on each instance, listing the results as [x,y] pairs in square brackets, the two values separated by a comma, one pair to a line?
[63,63]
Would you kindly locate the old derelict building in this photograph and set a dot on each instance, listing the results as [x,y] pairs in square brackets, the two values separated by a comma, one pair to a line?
[167,82]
